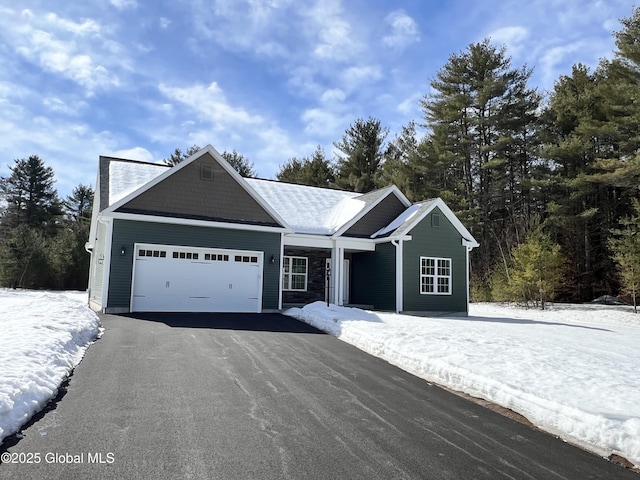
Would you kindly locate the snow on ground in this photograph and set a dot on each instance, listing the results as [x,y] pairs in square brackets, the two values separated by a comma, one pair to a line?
[43,336]
[572,370]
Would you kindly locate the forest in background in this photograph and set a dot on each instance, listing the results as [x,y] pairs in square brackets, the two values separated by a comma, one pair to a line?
[547,182]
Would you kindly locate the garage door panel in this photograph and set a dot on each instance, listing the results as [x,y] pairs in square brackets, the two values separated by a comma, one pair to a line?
[199,280]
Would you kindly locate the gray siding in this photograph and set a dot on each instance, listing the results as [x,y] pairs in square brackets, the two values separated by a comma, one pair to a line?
[427,241]
[380,216]
[186,194]
[97,265]
[373,278]
[127,233]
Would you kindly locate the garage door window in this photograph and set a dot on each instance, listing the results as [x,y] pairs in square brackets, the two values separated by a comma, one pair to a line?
[294,273]
[152,253]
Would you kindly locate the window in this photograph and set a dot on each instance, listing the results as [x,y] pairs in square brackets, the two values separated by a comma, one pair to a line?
[435,276]
[294,273]
[435,220]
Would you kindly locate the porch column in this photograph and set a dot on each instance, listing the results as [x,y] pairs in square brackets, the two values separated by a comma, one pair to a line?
[340,277]
[337,280]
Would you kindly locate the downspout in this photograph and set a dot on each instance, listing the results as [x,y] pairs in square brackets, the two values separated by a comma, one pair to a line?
[399,292]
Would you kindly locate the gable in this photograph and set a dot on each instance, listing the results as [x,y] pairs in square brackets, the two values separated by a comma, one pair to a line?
[378,217]
[200,190]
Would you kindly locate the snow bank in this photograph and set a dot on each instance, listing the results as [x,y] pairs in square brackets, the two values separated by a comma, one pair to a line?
[573,371]
[43,336]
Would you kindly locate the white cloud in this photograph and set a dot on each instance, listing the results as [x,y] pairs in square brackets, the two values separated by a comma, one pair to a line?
[164,23]
[78,51]
[333,95]
[135,153]
[71,108]
[404,30]
[512,37]
[323,122]
[354,77]
[211,105]
[554,58]
[410,105]
[124,4]
[332,32]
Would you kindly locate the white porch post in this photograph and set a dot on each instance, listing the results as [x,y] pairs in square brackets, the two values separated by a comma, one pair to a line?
[337,280]
[399,275]
[340,277]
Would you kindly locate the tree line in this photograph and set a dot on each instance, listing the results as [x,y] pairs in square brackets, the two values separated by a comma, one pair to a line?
[42,237]
[547,182]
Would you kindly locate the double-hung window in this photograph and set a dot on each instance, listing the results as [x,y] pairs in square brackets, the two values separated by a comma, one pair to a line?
[435,276]
[294,273]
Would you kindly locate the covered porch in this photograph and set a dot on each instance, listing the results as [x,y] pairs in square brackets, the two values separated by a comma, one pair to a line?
[322,269]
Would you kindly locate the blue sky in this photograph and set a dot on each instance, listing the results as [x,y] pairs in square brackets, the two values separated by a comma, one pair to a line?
[271,79]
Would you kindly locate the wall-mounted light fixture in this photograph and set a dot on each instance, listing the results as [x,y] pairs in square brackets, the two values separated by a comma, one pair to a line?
[272,260]
[123,251]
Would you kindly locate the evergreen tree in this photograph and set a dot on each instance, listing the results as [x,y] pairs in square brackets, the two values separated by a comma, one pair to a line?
[177,156]
[29,194]
[483,145]
[536,272]
[360,155]
[68,258]
[240,163]
[625,245]
[316,171]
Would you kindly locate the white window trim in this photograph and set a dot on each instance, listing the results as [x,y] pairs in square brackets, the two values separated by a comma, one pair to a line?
[436,276]
[291,274]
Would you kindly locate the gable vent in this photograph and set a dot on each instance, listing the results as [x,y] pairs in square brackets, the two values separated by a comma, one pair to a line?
[206,171]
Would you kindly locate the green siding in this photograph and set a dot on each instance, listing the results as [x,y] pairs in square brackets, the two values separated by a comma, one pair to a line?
[373,278]
[427,241]
[126,233]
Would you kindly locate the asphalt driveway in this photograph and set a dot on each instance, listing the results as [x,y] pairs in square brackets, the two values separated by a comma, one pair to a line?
[242,396]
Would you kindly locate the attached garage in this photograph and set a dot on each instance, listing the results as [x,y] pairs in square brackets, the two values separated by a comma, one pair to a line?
[186,279]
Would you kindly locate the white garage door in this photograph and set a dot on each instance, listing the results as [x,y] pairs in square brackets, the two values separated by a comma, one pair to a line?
[186,279]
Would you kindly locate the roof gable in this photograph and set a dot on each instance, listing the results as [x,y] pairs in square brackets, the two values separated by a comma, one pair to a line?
[119,177]
[411,217]
[381,207]
[202,187]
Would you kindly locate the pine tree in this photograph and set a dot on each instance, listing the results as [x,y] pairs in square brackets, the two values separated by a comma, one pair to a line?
[29,194]
[482,122]
[536,272]
[240,163]
[177,156]
[625,246]
[360,155]
[316,171]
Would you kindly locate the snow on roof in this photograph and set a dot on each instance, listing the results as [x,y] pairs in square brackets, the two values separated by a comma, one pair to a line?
[312,210]
[400,220]
[126,176]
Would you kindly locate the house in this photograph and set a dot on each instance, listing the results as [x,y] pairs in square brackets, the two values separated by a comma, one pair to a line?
[199,237]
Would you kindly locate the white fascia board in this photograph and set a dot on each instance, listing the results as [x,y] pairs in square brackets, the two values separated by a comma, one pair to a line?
[196,223]
[363,244]
[318,241]
[393,189]
[223,163]
[310,241]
